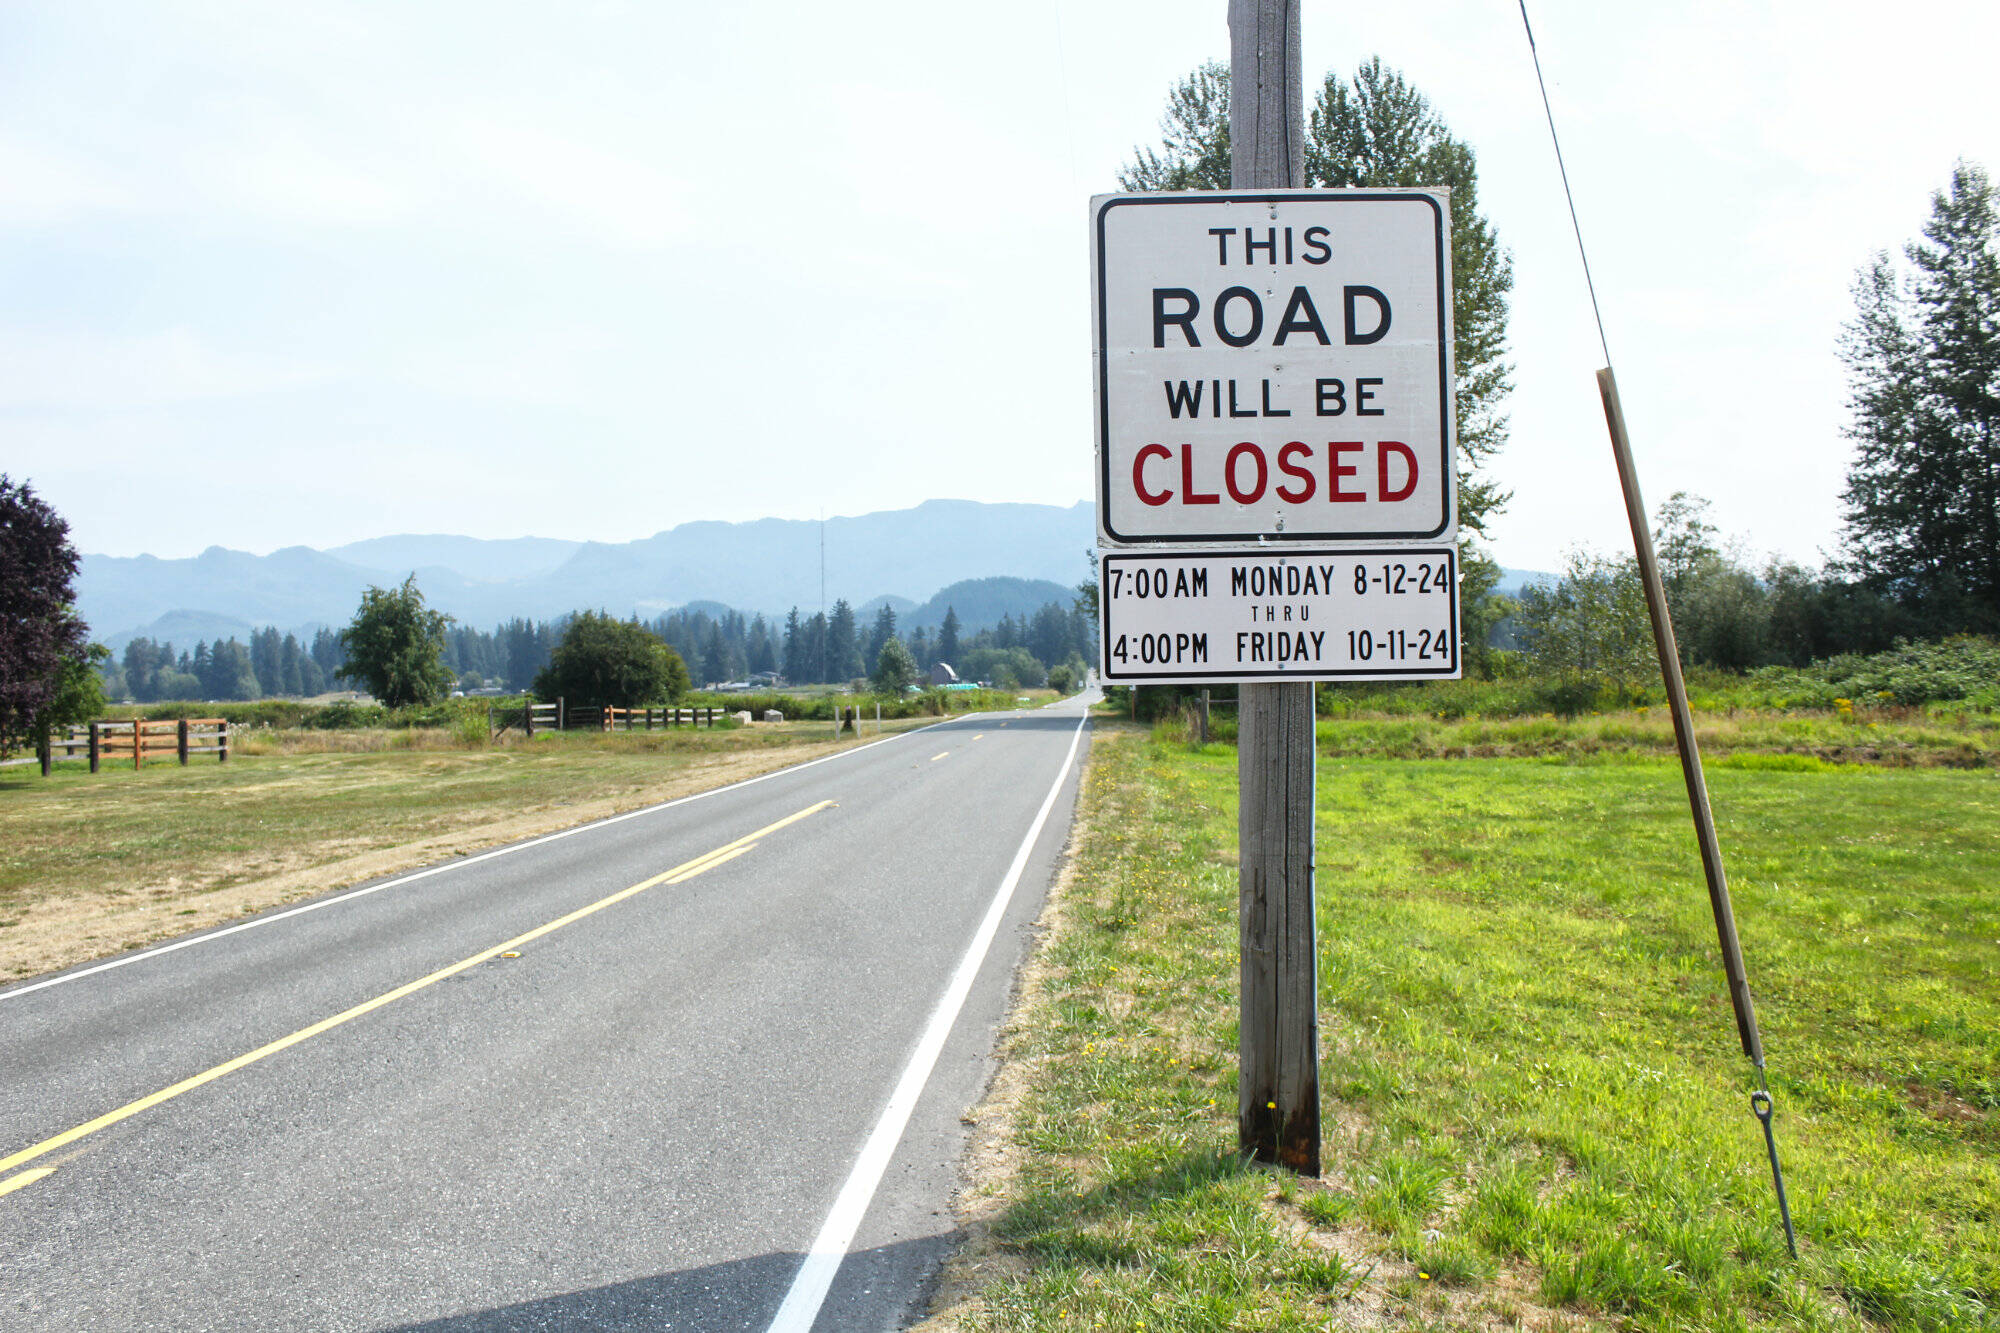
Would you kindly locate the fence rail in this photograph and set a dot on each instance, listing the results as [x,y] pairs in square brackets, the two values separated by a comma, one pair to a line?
[559,716]
[137,739]
[645,719]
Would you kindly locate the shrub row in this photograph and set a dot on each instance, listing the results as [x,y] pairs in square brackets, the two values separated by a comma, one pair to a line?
[819,707]
[343,715]
[1964,670]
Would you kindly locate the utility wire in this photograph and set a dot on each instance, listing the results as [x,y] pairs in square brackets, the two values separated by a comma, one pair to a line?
[1575,226]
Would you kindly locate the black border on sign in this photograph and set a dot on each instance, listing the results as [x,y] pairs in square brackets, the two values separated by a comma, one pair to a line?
[1445,422]
[1456,669]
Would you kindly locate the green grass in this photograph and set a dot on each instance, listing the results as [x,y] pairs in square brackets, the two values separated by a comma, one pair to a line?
[1534,1090]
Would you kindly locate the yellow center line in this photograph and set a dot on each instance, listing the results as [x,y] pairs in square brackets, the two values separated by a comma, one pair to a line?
[980,737]
[25,1178]
[936,757]
[686,870]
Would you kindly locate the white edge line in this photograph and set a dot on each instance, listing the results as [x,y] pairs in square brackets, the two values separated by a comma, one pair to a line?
[815,1277]
[314,906]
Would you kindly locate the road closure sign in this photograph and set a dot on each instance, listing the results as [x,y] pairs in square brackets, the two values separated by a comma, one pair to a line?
[1290,613]
[1273,366]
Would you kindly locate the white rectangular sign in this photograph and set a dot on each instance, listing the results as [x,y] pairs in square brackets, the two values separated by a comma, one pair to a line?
[1273,365]
[1287,613]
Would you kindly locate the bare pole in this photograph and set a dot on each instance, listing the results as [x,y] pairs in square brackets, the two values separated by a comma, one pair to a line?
[1697,784]
[1277,1106]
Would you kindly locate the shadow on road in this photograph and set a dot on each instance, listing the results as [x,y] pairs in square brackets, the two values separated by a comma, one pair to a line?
[740,1294]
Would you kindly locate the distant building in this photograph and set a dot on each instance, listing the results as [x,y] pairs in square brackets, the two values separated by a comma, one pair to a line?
[942,674]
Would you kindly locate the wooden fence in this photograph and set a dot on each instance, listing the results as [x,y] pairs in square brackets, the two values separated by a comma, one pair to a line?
[558,716]
[643,719]
[138,740]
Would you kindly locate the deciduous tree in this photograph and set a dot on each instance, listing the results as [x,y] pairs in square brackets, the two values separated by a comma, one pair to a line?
[40,633]
[395,647]
[605,661]
[894,667]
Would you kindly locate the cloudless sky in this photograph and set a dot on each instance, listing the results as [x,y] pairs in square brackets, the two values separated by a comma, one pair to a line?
[277,275]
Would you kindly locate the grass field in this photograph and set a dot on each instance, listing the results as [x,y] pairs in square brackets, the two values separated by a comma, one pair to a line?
[91,865]
[1537,1107]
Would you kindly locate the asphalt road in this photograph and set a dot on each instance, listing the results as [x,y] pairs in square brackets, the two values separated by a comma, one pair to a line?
[728,1019]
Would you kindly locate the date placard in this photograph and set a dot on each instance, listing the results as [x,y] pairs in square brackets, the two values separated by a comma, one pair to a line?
[1388,613]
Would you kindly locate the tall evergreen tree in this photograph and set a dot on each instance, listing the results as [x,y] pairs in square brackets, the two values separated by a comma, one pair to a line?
[843,644]
[812,649]
[230,674]
[947,639]
[759,652]
[264,657]
[715,657]
[1376,130]
[291,679]
[1194,137]
[879,634]
[142,661]
[327,654]
[1923,357]
[796,666]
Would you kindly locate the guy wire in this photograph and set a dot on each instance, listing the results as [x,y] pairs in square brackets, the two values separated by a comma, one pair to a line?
[1575,226]
[1760,1101]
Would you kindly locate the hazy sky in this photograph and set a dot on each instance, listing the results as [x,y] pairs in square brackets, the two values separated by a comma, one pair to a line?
[276,275]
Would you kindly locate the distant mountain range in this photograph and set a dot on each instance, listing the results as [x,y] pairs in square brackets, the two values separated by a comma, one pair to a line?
[983,560]
[904,556]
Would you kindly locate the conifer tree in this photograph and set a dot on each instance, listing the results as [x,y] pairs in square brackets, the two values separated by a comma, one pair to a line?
[1375,129]
[947,638]
[1922,500]
[843,644]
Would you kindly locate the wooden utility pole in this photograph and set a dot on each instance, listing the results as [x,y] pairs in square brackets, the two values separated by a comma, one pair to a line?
[1277,1106]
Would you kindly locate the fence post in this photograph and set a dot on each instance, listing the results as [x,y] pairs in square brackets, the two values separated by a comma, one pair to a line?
[43,749]
[181,741]
[222,741]
[138,743]
[562,714]
[95,743]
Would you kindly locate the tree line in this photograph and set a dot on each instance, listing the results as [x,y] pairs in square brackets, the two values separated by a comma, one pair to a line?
[1920,541]
[1919,551]
[716,646]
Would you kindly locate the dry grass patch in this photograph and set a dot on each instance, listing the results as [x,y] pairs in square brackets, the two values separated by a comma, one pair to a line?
[95,865]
